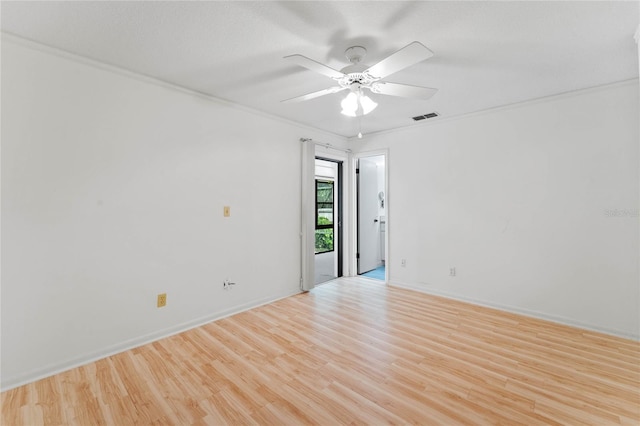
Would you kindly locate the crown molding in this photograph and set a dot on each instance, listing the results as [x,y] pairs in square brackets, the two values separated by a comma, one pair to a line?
[506,107]
[30,44]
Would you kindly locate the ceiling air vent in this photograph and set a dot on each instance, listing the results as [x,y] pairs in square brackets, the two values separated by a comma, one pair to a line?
[422,117]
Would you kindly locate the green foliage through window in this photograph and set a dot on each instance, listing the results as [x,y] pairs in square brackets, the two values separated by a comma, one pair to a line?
[324,237]
[324,216]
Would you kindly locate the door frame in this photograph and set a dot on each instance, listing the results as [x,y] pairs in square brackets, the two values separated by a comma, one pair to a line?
[328,153]
[353,206]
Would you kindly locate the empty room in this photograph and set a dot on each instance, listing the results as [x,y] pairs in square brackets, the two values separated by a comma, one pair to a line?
[320,212]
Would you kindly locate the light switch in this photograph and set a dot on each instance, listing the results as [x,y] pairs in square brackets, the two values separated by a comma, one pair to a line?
[227,211]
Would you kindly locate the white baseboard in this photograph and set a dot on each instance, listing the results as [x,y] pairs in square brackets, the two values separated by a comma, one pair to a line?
[516,310]
[52,369]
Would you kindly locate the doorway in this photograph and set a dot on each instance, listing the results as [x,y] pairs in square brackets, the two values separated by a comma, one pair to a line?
[371,216]
[328,219]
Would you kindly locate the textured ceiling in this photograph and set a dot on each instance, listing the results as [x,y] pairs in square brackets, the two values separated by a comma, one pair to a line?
[487,54]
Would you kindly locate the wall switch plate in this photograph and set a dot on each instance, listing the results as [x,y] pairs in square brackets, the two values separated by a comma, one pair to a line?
[403,262]
[227,211]
[162,300]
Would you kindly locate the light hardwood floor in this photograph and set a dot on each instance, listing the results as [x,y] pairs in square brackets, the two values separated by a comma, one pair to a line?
[352,351]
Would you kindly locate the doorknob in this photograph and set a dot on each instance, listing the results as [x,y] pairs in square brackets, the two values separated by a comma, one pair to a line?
[375,220]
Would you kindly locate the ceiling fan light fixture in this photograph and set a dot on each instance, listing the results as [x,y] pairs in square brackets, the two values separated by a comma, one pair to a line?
[357,104]
[350,105]
[368,104]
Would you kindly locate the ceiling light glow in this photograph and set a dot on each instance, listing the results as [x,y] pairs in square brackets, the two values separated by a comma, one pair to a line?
[368,105]
[350,104]
[356,104]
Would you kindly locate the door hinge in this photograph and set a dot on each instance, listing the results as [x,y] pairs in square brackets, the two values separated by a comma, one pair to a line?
[357,255]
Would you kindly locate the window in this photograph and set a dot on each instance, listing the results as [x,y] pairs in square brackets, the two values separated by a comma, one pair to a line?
[324,216]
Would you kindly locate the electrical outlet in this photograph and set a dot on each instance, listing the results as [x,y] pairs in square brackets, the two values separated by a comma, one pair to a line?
[452,272]
[162,300]
[403,262]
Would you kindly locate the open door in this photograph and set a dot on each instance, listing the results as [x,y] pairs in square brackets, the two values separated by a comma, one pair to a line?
[370,182]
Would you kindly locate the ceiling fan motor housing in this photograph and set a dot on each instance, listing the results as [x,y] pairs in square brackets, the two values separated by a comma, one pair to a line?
[355,77]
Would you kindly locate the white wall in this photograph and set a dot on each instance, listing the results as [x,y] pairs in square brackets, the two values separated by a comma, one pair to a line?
[113,189]
[536,205]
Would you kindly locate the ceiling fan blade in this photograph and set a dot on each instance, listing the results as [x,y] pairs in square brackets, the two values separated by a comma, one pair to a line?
[409,55]
[317,94]
[316,66]
[403,90]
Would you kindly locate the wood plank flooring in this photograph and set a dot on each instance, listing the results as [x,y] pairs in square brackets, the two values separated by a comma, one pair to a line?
[352,351]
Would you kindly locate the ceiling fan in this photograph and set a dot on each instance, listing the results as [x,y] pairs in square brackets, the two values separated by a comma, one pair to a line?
[356,77]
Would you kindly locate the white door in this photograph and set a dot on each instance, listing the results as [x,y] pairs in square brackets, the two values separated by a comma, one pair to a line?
[368,219]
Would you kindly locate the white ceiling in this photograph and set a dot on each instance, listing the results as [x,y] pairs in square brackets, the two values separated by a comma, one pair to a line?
[487,54]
